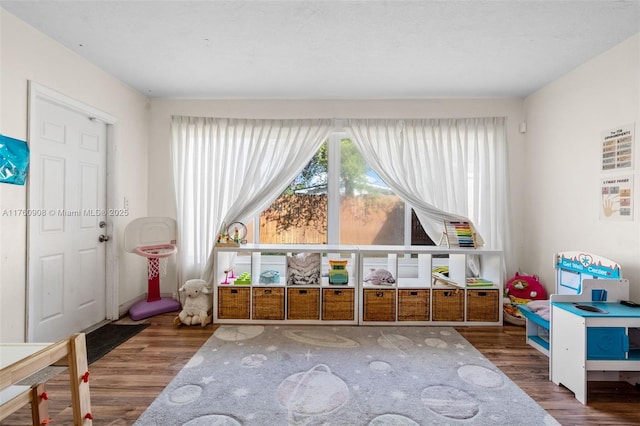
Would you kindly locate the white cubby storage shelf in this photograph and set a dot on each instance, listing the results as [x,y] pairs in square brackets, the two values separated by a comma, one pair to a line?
[430,285]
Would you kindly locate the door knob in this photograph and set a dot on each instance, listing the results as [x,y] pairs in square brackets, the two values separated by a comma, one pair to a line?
[102,238]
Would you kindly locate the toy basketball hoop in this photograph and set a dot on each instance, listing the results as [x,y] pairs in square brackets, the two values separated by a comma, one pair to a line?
[158,256]
[154,239]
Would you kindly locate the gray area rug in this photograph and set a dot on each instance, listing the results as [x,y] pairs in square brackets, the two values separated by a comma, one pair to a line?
[343,375]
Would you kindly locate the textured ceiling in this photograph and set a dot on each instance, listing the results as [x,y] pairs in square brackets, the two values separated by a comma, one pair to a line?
[325,49]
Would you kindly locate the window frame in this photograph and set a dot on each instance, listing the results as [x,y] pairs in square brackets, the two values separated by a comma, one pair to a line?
[333,196]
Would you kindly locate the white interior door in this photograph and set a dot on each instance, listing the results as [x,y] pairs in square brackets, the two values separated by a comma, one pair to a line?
[66,216]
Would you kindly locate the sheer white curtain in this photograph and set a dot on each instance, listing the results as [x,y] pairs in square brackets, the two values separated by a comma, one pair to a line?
[229,169]
[446,169]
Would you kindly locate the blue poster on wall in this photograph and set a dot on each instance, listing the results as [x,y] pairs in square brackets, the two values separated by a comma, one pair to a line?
[14,160]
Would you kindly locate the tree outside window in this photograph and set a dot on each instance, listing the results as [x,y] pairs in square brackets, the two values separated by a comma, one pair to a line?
[368,212]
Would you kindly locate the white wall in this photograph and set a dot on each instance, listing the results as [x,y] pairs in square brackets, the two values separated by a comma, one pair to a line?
[27,54]
[562,173]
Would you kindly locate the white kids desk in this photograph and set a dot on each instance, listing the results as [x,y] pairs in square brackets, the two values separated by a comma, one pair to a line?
[588,346]
[573,268]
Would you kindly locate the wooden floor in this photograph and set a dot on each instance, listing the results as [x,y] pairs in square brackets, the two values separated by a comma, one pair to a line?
[125,381]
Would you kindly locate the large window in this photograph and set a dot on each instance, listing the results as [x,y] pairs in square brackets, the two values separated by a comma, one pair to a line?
[338,199]
[229,169]
[369,212]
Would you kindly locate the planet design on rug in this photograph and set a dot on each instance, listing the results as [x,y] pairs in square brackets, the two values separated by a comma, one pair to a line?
[195,361]
[341,375]
[395,341]
[392,420]
[213,420]
[253,360]
[235,333]
[313,392]
[480,376]
[434,342]
[320,338]
[450,402]
[380,366]
[185,394]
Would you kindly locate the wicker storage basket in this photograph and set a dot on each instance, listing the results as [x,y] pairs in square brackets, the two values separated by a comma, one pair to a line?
[303,303]
[268,303]
[337,305]
[379,305]
[483,305]
[413,305]
[234,302]
[448,305]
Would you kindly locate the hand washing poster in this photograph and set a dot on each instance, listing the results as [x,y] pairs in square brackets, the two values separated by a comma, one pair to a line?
[617,198]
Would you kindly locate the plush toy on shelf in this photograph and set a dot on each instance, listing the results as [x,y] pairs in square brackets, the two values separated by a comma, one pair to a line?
[521,289]
[197,306]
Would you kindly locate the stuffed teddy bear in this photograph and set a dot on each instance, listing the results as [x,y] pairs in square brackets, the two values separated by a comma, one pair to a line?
[197,304]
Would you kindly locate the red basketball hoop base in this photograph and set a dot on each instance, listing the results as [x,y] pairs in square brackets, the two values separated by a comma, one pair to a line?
[154,304]
[145,309]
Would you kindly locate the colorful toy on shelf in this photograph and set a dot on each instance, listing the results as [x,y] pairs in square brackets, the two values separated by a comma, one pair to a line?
[232,236]
[243,279]
[458,234]
[224,240]
[479,282]
[228,274]
[269,277]
[338,274]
